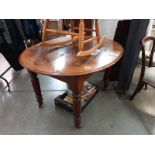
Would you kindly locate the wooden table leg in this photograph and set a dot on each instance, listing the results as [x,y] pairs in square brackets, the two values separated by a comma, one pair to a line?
[36,87]
[106,78]
[75,83]
[77,87]
[77,109]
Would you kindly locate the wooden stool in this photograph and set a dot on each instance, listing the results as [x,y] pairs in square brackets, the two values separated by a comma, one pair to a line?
[54,24]
[80,36]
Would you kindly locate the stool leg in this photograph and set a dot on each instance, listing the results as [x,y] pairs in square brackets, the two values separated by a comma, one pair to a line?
[81,34]
[97,30]
[44,30]
[72,25]
[36,88]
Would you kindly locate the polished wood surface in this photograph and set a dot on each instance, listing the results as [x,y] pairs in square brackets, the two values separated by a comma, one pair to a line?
[63,64]
[36,86]
[63,61]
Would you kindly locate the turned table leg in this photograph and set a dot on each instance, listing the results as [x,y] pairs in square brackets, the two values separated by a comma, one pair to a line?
[77,109]
[106,78]
[76,85]
[36,87]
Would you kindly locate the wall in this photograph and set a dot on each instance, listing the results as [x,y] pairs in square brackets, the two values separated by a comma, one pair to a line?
[108,27]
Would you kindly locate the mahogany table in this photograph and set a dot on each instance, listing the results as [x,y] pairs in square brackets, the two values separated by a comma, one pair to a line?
[63,64]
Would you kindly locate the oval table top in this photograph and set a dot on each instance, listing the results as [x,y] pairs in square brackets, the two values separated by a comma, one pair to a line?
[63,61]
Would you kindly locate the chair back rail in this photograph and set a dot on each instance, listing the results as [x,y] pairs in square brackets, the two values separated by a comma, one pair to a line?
[144,41]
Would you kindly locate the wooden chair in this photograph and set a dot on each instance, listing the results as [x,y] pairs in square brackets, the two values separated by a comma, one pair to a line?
[147,75]
[148,48]
[80,36]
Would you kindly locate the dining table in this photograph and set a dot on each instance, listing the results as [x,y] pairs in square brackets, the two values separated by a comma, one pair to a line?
[63,63]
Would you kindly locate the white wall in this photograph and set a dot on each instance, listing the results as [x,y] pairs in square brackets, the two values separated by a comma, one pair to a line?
[149,29]
[108,27]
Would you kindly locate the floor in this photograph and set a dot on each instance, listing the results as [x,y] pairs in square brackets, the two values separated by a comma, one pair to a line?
[107,114]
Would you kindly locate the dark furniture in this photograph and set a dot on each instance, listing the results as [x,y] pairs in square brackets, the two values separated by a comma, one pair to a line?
[147,75]
[128,34]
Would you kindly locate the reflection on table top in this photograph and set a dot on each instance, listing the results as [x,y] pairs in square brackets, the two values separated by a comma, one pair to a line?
[63,61]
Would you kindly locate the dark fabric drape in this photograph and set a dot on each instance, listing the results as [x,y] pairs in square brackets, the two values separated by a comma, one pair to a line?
[13,34]
[31,29]
[121,36]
